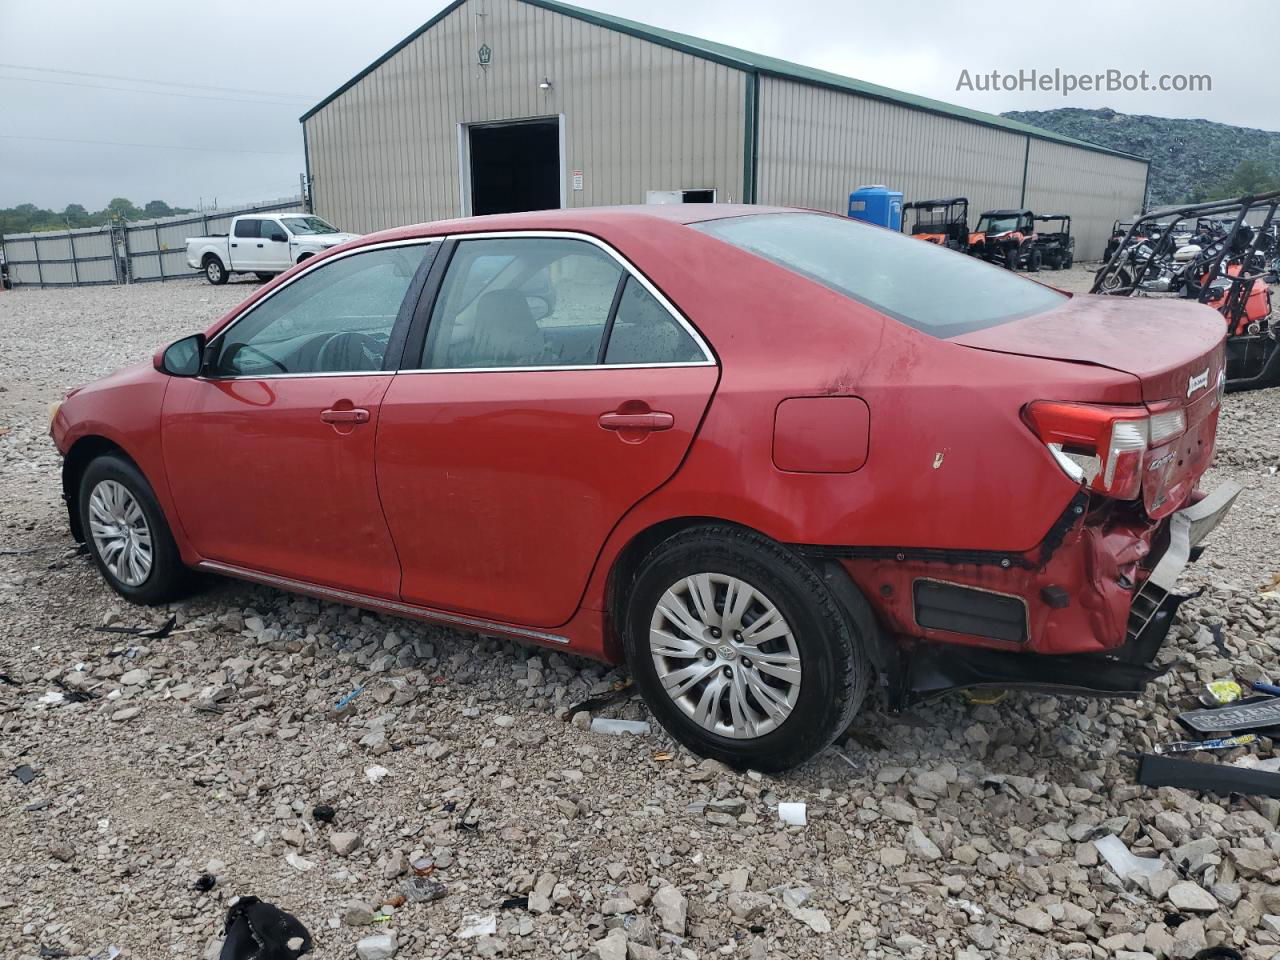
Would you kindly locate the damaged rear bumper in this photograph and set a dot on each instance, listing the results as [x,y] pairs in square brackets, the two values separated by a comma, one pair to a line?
[1084,613]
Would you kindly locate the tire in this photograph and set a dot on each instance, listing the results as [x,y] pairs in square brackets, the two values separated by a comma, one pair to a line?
[214,271]
[1033,261]
[829,645]
[266,277]
[1068,260]
[1011,258]
[165,574]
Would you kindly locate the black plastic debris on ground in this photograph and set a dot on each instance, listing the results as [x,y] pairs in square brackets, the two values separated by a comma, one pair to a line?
[204,883]
[465,822]
[143,633]
[591,704]
[323,813]
[262,931]
[1220,778]
[24,773]
[1243,716]
[424,890]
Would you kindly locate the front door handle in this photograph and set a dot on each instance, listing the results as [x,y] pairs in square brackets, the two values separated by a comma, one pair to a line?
[649,421]
[259,246]
[351,415]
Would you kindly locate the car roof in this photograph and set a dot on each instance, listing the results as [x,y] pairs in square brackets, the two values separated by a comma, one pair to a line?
[584,219]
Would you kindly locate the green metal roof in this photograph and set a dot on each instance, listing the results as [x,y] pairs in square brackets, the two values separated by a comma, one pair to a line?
[752,63]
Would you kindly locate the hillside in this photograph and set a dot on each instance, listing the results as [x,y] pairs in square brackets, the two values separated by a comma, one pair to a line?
[1189,158]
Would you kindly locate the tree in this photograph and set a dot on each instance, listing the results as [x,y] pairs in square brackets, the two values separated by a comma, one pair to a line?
[157,208]
[76,215]
[124,209]
[1250,177]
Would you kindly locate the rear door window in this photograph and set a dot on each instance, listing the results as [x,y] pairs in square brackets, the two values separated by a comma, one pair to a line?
[248,228]
[937,291]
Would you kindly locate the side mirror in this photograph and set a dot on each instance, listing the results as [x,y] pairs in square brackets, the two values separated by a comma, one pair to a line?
[279,238]
[182,358]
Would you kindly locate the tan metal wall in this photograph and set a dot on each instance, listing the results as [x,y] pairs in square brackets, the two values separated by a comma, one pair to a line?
[1094,188]
[818,145]
[637,116]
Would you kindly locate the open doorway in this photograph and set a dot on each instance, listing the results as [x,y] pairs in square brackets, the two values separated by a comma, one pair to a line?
[515,166]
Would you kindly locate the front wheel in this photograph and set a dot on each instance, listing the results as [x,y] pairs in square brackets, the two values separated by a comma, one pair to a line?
[1011,258]
[1033,261]
[741,651]
[127,534]
[265,277]
[214,272]
[1068,261]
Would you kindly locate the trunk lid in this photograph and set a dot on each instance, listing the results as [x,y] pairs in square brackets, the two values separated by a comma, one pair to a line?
[1174,348]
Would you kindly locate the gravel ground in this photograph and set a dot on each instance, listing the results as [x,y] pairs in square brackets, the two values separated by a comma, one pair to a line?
[956,830]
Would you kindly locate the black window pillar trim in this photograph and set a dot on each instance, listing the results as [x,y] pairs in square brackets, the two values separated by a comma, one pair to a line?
[751,139]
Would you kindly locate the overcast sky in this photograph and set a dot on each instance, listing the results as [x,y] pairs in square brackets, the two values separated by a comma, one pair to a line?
[210,142]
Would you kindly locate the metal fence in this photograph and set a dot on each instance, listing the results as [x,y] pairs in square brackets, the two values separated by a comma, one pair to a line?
[124,252]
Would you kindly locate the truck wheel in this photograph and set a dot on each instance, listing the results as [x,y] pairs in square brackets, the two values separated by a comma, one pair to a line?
[265,277]
[1069,260]
[1011,258]
[214,272]
[1033,261]
[740,649]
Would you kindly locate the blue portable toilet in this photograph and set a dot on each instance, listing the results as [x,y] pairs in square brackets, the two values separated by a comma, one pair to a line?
[878,205]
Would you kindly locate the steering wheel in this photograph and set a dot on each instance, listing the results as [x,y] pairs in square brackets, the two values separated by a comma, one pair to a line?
[350,350]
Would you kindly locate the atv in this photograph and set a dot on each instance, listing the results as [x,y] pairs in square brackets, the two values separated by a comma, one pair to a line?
[1058,247]
[1006,237]
[1224,264]
[944,222]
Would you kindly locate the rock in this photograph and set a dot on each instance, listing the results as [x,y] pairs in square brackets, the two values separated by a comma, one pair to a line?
[748,906]
[1188,940]
[815,920]
[618,905]
[379,947]
[136,678]
[892,856]
[1033,918]
[62,851]
[612,947]
[899,810]
[128,713]
[672,909]
[920,846]
[357,914]
[1192,897]
[1173,825]
[477,925]
[344,843]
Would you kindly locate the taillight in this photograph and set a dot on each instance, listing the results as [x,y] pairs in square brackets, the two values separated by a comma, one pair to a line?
[1103,446]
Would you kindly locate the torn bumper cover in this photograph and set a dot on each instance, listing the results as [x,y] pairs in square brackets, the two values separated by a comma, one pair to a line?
[931,669]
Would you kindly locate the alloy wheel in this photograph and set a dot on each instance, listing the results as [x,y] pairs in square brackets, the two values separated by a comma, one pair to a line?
[120,532]
[725,655]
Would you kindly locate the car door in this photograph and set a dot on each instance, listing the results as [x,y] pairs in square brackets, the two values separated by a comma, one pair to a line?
[555,388]
[270,451]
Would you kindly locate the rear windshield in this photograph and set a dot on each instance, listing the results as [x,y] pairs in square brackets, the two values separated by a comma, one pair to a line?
[935,290]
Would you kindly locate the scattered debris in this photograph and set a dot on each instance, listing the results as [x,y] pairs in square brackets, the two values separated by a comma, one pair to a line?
[792,814]
[1218,692]
[204,883]
[301,864]
[423,889]
[622,690]
[347,700]
[1220,743]
[1253,714]
[1123,863]
[256,930]
[378,947]
[142,633]
[477,925]
[610,725]
[515,903]
[1219,778]
[323,813]
[375,774]
[25,774]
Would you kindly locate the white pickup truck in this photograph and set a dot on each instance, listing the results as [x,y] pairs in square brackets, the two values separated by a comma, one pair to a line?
[261,243]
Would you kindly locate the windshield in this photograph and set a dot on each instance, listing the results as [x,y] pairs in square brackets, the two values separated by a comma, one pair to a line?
[304,225]
[997,224]
[930,288]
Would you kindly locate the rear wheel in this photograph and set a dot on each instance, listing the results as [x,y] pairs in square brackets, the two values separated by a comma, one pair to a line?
[264,277]
[126,532]
[741,651]
[1068,260]
[214,271]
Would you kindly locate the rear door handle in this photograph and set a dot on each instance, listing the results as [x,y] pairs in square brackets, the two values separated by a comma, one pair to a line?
[653,420]
[259,246]
[354,415]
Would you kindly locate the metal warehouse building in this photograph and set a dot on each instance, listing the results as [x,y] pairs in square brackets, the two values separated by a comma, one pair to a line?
[497,105]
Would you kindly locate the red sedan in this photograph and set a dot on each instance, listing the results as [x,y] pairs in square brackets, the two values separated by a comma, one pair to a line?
[769,458]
